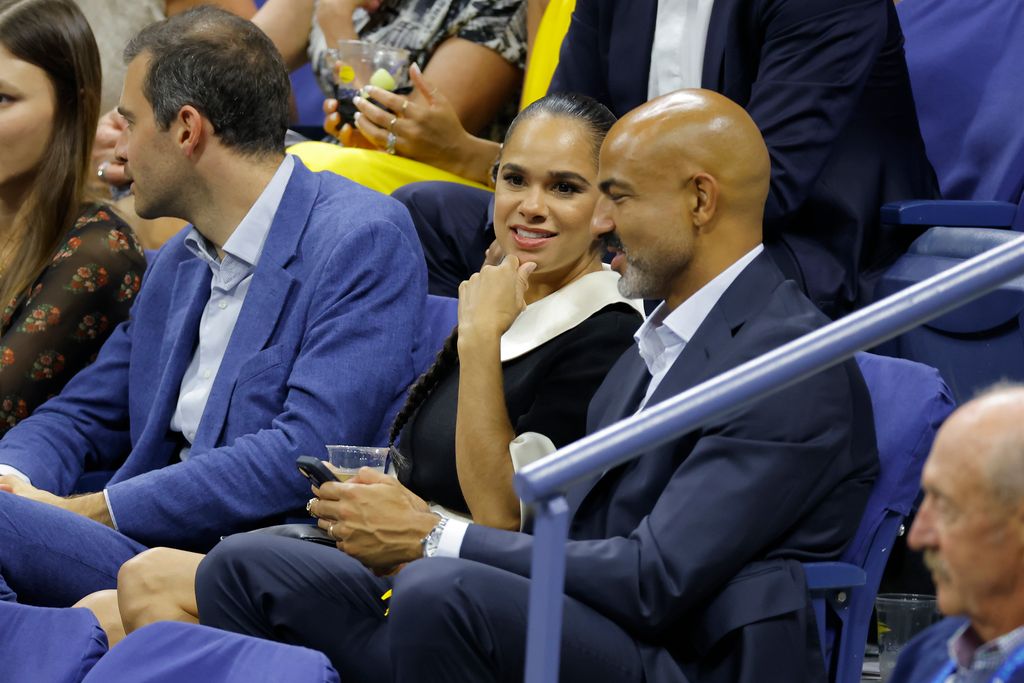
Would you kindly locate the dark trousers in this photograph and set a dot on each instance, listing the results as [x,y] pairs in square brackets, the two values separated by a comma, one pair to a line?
[454,225]
[450,620]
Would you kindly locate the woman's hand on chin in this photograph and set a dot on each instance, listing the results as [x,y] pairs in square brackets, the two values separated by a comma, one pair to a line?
[491,300]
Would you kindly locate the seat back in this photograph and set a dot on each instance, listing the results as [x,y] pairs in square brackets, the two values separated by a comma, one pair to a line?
[974,345]
[910,401]
[965,62]
[171,652]
[48,644]
[440,316]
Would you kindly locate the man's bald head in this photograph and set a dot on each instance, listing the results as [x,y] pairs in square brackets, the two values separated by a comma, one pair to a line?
[690,131]
[684,179]
[991,429]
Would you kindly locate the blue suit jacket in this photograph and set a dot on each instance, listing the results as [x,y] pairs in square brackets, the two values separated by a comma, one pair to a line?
[322,352]
[826,82]
[693,548]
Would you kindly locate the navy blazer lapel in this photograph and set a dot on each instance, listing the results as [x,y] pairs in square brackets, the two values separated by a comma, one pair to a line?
[188,298]
[629,52]
[265,300]
[722,17]
[745,296]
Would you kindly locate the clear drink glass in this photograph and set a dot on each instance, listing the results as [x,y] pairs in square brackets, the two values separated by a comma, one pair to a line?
[349,459]
[355,64]
[901,616]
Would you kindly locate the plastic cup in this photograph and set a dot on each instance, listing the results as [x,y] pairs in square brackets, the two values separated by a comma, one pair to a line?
[900,617]
[349,459]
[355,64]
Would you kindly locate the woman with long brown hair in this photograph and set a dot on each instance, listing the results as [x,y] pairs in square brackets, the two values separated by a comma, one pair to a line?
[69,267]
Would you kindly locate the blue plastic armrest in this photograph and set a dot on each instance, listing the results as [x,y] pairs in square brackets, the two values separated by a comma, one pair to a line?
[833,575]
[949,212]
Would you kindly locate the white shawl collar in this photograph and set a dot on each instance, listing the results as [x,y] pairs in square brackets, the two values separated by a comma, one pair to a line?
[560,311]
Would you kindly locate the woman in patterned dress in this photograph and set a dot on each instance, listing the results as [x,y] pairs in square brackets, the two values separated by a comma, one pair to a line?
[69,267]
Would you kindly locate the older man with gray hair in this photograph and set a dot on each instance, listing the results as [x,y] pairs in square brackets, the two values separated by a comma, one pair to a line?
[971,529]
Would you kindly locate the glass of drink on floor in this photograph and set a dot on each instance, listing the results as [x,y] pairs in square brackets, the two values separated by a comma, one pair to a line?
[900,617]
[349,459]
[355,64]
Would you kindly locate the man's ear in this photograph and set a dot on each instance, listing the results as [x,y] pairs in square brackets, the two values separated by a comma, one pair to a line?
[191,130]
[705,188]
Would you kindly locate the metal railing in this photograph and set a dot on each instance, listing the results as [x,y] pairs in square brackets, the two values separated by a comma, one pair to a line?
[544,482]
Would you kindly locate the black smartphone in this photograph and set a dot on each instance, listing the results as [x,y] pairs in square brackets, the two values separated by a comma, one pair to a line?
[315,470]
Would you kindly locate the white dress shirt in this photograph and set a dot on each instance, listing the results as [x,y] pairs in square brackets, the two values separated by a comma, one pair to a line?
[677,55]
[663,336]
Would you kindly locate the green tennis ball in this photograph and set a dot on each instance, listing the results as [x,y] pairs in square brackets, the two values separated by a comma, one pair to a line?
[383,79]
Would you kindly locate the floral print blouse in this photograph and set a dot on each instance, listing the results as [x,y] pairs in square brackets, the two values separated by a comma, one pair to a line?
[57,326]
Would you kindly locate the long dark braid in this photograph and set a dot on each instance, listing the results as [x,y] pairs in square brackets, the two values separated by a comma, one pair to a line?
[444,361]
[598,119]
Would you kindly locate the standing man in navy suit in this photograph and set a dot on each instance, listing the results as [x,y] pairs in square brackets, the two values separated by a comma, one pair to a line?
[683,566]
[283,319]
[826,82]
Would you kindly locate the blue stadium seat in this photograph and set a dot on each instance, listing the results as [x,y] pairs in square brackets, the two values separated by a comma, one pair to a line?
[48,644]
[910,402]
[171,652]
[975,345]
[964,62]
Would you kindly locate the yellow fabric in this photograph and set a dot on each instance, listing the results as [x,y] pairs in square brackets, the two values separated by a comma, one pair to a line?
[546,46]
[386,173]
[371,168]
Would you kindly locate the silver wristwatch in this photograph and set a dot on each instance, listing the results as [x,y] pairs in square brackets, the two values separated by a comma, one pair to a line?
[432,540]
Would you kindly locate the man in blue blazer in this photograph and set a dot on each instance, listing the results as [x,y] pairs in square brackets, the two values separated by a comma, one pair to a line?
[826,82]
[683,565]
[286,318]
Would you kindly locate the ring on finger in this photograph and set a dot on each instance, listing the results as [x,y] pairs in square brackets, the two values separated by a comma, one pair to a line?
[405,105]
[309,507]
[391,124]
[330,529]
[389,145]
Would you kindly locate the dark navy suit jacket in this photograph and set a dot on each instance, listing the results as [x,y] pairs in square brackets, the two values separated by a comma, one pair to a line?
[323,349]
[694,547]
[826,81]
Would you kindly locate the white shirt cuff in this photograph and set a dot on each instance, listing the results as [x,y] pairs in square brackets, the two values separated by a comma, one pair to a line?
[451,538]
[15,472]
[110,510]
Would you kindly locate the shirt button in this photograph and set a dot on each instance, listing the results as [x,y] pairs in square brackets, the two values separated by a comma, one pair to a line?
[222,305]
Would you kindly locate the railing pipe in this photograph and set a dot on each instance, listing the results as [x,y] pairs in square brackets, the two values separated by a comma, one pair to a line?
[543,482]
[775,370]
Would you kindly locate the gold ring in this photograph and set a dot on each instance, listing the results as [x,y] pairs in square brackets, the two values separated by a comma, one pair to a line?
[405,105]
[330,530]
[391,124]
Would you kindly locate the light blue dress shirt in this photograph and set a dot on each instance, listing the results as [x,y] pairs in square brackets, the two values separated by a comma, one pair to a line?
[228,287]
